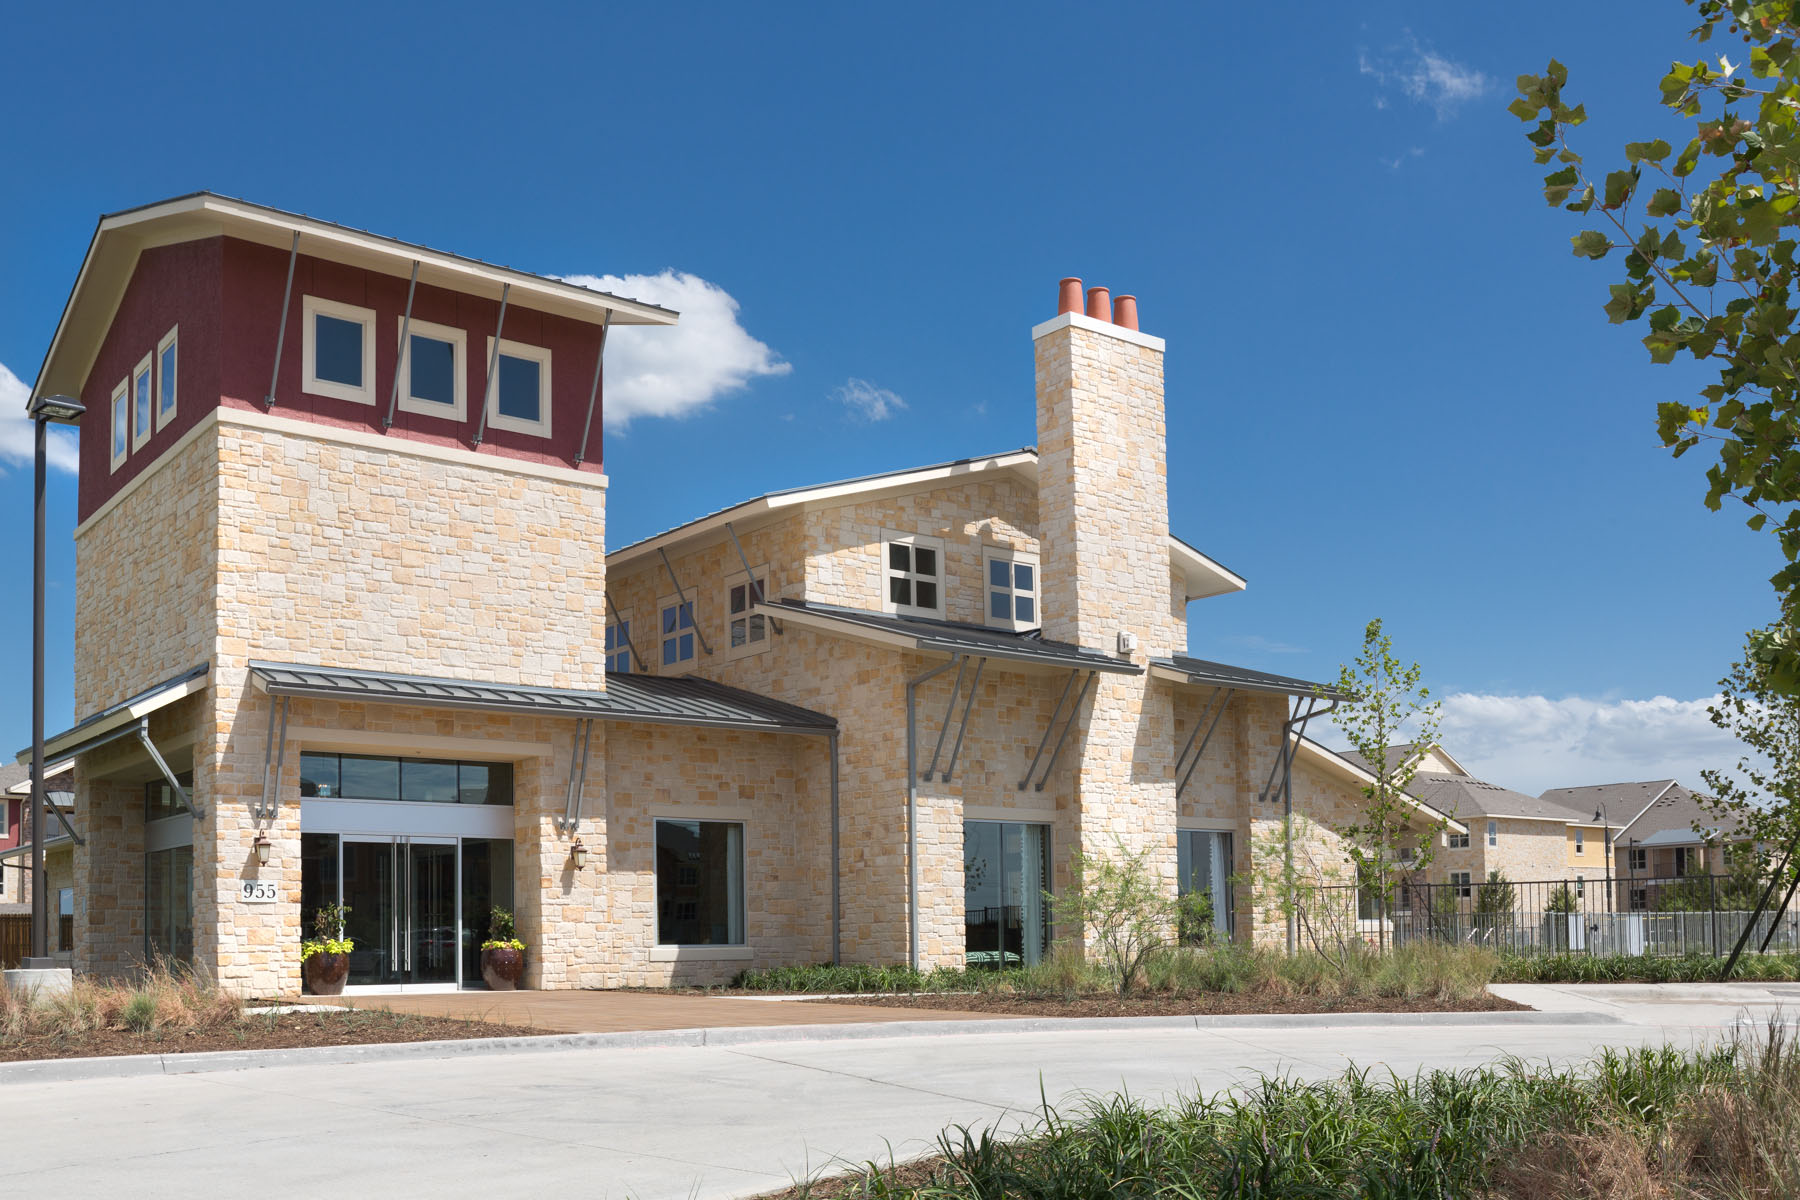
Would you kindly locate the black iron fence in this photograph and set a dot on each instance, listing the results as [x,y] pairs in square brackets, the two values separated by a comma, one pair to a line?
[1693,914]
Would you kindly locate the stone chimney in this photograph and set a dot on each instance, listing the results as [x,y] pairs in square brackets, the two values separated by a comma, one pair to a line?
[1103,499]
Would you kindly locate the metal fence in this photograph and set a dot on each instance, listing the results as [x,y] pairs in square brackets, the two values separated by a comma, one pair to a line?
[1694,914]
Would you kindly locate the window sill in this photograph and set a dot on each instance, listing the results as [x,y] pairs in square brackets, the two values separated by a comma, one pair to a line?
[701,953]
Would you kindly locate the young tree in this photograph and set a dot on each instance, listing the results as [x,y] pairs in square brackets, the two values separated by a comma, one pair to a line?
[1708,240]
[1124,906]
[1388,700]
[1757,806]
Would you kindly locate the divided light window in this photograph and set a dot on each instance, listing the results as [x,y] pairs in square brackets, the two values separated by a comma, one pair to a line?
[618,647]
[1462,882]
[915,577]
[1580,842]
[338,358]
[749,631]
[699,883]
[1012,589]
[121,423]
[433,371]
[165,378]
[678,633]
[1493,833]
[1640,860]
[427,780]
[1456,841]
[521,391]
[141,404]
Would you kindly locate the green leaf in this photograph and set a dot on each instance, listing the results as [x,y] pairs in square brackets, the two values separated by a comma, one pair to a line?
[1558,185]
[1619,186]
[1591,243]
[1524,109]
[1664,202]
[1556,73]
[1654,151]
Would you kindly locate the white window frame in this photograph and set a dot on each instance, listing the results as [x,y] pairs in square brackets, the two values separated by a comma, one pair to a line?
[888,573]
[1580,841]
[994,554]
[1581,887]
[681,666]
[1464,883]
[313,307]
[164,385]
[1493,833]
[742,579]
[622,640]
[738,872]
[143,424]
[120,447]
[1455,841]
[458,411]
[496,419]
[1640,859]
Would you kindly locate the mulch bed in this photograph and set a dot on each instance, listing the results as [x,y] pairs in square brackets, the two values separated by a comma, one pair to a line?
[286,1031]
[1159,1005]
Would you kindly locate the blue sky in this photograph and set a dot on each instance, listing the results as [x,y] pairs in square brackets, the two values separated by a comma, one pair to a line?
[1391,389]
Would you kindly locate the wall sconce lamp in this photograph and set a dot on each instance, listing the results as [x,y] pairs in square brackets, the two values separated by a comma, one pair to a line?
[262,847]
[578,854]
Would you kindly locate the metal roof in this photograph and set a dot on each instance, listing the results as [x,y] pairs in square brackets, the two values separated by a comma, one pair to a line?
[657,699]
[75,739]
[1244,679]
[950,637]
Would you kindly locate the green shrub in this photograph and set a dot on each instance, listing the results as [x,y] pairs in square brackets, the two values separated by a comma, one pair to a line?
[140,1012]
[1642,968]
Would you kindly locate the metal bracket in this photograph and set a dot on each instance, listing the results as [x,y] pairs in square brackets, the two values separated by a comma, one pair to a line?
[629,644]
[756,584]
[277,750]
[1068,724]
[578,760]
[181,794]
[1049,728]
[487,395]
[593,389]
[1224,698]
[962,667]
[281,330]
[62,819]
[968,706]
[387,422]
[681,595]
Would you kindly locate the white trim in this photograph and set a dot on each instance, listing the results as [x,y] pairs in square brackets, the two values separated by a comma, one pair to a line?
[1201,576]
[1083,321]
[939,579]
[1206,824]
[458,409]
[1006,554]
[143,419]
[314,307]
[537,354]
[414,745]
[749,615]
[394,444]
[1018,816]
[121,395]
[170,341]
[406,818]
[683,665]
[662,953]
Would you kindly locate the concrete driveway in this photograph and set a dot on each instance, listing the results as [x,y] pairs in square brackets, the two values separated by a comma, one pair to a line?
[727,1120]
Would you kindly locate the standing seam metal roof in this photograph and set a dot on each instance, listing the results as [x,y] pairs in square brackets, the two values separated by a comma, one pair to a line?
[1199,670]
[956,637]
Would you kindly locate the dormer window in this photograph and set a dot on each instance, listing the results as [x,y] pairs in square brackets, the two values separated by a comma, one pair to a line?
[1012,588]
[749,630]
[915,581]
[677,634]
[338,358]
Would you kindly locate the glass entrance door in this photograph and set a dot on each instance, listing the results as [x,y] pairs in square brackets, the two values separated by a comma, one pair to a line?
[401,893]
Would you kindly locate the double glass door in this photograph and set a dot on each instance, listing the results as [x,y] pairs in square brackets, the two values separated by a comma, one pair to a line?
[401,893]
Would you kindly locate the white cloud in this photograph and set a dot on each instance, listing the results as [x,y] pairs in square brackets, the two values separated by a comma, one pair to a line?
[1531,743]
[1426,77]
[664,371]
[17,437]
[868,402]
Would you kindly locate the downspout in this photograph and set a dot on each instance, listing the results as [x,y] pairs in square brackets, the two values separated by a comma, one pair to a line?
[912,807]
[831,748]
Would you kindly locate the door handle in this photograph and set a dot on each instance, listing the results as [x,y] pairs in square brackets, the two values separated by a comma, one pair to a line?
[406,853]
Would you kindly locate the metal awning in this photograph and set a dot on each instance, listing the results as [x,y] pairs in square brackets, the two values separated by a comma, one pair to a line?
[656,699]
[1182,669]
[946,637]
[110,723]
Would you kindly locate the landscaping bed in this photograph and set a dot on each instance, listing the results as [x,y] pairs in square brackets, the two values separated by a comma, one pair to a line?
[285,1031]
[1160,1004]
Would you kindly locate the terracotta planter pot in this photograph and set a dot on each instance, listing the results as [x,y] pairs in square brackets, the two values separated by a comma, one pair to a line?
[501,968]
[325,973]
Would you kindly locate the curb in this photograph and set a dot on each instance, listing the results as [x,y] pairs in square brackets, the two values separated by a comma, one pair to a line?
[127,1066]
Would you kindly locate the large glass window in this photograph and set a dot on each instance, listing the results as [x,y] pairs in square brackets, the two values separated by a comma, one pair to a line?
[169,904]
[487,882]
[1006,873]
[700,883]
[1203,865]
[65,920]
[425,780]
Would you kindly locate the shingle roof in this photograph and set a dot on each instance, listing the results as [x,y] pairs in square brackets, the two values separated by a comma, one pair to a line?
[957,637]
[1393,755]
[1200,670]
[1638,808]
[658,699]
[1465,797]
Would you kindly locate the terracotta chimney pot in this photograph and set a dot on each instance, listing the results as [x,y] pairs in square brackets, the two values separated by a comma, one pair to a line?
[1068,297]
[1099,304]
[1125,311]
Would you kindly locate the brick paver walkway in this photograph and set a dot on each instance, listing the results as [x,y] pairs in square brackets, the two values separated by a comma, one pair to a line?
[619,1012]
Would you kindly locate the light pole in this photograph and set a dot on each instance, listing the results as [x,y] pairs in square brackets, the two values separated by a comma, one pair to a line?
[1612,901]
[64,410]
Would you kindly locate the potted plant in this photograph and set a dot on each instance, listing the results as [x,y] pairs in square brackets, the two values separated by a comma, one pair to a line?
[325,957]
[502,954]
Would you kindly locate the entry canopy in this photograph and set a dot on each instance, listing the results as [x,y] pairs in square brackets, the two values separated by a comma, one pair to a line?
[945,637]
[1182,669]
[120,720]
[661,700]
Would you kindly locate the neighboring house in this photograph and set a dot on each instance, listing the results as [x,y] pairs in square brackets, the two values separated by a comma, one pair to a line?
[1666,834]
[1527,838]
[59,846]
[12,819]
[346,631]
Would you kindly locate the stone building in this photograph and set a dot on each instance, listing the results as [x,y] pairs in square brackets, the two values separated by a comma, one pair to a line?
[347,631]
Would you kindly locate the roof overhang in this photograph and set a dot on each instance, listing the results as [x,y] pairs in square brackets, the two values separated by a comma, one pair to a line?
[1202,576]
[1243,679]
[106,725]
[1336,764]
[880,631]
[120,237]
